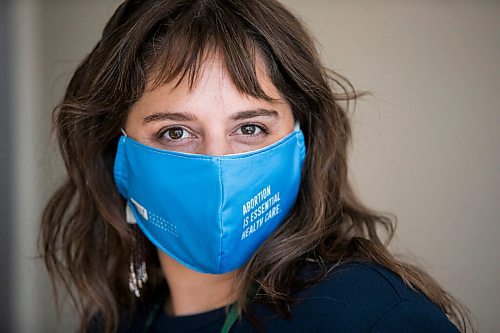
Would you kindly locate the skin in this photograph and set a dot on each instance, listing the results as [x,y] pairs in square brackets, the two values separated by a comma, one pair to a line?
[213,118]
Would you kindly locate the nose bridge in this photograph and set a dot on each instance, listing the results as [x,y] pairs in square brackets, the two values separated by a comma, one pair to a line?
[215,143]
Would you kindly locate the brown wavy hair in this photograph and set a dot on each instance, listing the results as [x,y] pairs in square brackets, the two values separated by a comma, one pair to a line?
[84,239]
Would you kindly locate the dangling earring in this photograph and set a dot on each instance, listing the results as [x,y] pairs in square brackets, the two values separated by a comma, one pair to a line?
[138,274]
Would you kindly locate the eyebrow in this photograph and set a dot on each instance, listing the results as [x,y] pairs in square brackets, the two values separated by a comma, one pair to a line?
[255,113]
[184,116]
[175,116]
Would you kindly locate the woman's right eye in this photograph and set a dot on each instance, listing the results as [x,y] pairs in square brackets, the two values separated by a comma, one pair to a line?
[175,133]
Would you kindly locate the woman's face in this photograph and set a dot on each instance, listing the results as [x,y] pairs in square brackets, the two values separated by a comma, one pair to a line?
[213,118]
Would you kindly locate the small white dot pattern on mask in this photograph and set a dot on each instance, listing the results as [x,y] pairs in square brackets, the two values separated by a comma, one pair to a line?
[163,224]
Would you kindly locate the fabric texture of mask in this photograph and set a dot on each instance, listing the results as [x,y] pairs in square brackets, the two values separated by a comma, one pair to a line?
[210,213]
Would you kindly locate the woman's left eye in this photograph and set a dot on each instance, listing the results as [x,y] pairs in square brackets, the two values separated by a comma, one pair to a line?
[250,129]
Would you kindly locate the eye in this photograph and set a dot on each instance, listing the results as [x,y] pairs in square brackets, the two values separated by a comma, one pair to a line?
[250,129]
[175,134]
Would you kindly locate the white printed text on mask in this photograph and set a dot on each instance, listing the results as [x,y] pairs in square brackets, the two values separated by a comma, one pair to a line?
[258,210]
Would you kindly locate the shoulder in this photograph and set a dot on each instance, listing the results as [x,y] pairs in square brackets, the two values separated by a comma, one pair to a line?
[366,297]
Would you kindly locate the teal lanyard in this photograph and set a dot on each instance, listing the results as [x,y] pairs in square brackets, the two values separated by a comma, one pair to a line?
[231,317]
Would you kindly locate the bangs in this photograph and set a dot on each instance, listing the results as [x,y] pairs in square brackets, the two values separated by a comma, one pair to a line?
[178,47]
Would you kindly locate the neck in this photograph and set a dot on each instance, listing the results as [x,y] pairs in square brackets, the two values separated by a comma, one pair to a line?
[192,292]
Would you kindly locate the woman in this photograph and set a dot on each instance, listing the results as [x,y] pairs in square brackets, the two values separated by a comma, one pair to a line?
[207,190]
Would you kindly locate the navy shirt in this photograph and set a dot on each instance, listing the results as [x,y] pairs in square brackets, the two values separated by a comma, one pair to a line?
[355,297]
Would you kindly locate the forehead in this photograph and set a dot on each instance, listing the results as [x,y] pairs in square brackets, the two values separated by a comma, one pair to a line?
[212,78]
[212,97]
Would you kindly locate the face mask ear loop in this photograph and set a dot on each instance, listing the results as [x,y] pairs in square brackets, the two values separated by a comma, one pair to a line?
[297,126]
[123,132]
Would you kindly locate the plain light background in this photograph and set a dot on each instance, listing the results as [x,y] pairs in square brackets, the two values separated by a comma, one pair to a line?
[426,143]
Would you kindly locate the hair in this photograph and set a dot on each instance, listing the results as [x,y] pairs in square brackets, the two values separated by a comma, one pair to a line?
[84,240]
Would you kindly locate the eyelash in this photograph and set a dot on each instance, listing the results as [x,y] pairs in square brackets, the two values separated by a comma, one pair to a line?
[263,129]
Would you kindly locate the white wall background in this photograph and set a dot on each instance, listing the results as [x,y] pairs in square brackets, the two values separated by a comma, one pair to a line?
[425,144]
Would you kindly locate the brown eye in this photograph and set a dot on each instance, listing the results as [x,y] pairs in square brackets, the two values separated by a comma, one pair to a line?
[248,129]
[175,133]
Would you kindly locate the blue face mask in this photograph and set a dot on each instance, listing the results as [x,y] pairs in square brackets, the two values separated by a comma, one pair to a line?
[210,213]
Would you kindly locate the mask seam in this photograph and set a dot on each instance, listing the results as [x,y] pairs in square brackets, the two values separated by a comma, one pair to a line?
[120,176]
[207,158]
[220,213]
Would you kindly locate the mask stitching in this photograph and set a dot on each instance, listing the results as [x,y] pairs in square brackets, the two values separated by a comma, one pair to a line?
[207,158]
[119,173]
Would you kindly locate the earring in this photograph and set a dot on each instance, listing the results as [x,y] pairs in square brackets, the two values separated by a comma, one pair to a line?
[138,274]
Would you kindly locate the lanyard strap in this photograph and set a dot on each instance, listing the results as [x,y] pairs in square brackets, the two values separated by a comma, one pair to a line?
[231,317]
